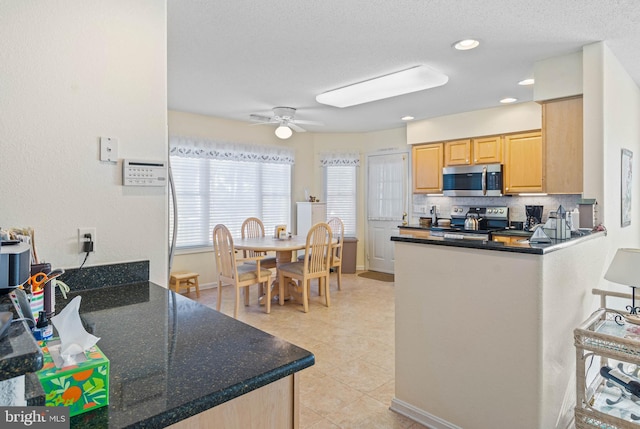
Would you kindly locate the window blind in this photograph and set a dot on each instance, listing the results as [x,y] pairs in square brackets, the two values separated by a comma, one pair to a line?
[212,191]
[340,195]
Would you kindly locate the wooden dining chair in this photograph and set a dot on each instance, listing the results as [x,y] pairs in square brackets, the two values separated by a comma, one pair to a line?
[253,227]
[337,228]
[315,265]
[239,276]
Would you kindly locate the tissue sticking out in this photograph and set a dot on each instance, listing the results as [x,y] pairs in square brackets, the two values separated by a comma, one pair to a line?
[74,339]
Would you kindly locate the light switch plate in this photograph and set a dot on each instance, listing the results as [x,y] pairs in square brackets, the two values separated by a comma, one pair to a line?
[109,149]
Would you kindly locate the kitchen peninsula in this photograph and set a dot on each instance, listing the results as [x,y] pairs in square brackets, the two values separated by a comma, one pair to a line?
[484,331]
[177,363]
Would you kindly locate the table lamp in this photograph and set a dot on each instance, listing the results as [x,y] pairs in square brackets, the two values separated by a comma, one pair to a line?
[625,269]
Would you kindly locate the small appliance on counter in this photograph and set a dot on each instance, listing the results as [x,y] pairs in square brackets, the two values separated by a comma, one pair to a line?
[588,217]
[533,217]
[15,263]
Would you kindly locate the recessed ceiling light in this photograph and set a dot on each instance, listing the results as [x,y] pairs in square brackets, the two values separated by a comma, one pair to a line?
[403,82]
[527,82]
[466,44]
[407,118]
[508,100]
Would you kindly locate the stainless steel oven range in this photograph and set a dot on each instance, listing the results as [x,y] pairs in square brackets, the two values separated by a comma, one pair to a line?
[487,220]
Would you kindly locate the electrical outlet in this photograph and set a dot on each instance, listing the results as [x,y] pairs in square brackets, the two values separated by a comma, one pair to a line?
[82,239]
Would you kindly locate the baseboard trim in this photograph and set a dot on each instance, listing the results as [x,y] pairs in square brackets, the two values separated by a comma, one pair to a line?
[420,416]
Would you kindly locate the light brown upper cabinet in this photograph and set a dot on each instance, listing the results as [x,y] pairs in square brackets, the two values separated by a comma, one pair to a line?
[480,150]
[523,161]
[563,143]
[487,150]
[457,152]
[427,168]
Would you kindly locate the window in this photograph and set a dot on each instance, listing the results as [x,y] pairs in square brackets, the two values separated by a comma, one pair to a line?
[227,189]
[340,185]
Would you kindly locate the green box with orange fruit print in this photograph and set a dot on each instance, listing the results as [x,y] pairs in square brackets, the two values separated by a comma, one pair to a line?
[82,386]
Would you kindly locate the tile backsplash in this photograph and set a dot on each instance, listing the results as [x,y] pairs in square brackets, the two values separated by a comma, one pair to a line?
[422,203]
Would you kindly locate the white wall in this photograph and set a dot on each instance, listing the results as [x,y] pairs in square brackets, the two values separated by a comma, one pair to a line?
[558,77]
[496,120]
[72,72]
[618,129]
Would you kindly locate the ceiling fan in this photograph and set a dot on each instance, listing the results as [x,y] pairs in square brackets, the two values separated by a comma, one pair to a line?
[285,118]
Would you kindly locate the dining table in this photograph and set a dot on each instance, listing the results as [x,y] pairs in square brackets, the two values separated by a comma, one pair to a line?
[284,249]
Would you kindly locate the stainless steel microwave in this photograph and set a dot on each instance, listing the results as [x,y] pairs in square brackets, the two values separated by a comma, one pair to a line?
[472,181]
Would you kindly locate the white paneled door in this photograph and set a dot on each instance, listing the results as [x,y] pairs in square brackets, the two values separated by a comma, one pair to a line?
[387,201]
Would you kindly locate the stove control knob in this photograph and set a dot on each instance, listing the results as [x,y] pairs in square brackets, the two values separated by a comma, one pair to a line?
[501,211]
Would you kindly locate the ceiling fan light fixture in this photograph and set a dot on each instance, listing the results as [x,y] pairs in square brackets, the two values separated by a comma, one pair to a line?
[403,82]
[283,132]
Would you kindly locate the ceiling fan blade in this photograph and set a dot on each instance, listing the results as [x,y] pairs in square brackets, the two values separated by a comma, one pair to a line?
[260,118]
[301,121]
[296,128]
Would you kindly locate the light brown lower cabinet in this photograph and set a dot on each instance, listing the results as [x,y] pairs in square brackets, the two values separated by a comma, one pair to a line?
[276,405]
[418,233]
[507,239]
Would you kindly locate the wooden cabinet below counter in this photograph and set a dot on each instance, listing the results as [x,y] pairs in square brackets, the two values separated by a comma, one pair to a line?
[418,233]
[427,168]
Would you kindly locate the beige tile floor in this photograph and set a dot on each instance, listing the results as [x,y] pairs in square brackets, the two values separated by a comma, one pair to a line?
[352,382]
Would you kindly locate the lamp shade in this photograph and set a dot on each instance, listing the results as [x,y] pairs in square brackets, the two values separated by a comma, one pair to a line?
[625,267]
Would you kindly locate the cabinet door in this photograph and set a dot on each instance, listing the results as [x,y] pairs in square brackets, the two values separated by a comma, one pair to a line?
[523,160]
[563,143]
[427,168]
[487,150]
[457,152]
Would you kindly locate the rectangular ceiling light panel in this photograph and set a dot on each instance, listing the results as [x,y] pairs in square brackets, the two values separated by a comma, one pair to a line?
[403,82]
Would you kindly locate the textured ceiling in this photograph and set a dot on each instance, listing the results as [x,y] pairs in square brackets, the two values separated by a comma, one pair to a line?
[231,59]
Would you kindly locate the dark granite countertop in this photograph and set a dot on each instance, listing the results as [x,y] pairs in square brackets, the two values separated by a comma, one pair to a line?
[519,247]
[172,358]
[19,352]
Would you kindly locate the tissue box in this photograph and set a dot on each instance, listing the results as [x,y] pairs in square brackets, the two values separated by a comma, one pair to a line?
[81,387]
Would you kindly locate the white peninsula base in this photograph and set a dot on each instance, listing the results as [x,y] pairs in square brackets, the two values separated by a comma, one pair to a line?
[484,338]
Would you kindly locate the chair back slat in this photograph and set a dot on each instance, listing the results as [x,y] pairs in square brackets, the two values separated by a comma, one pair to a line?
[317,250]
[337,228]
[225,252]
[252,227]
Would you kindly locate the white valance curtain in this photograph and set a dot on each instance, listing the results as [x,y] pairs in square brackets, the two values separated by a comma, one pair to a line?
[187,147]
[340,159]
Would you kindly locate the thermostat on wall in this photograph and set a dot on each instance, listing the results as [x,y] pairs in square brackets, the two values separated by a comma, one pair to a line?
[144,173]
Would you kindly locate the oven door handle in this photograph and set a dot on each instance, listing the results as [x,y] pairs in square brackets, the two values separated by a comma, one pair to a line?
[484,180]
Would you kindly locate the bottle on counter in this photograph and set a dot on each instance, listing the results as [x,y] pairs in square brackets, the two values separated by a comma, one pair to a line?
[43,329]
